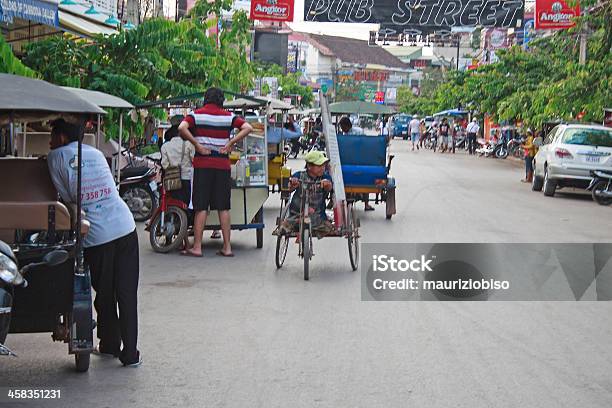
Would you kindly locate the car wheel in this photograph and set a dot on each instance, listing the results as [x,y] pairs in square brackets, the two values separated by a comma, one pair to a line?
[549,185]
[537,182]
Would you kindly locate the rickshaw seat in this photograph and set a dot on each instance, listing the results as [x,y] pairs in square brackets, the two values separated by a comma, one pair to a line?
[27,195]
[33,215]
[362,150]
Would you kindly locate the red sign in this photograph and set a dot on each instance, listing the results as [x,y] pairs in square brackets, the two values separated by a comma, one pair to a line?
[272,10]
[379,97]
[373,76]
[554,14]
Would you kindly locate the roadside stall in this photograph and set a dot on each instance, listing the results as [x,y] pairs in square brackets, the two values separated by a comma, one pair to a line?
[52,291]
[249,170]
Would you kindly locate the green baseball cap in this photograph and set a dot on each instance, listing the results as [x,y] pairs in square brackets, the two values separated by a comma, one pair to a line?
[316,157]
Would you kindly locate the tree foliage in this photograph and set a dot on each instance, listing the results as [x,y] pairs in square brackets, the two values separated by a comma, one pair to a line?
[159,59]
[544,82]
[10,64]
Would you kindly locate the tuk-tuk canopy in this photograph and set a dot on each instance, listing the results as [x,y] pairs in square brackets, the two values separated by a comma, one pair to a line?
[360,107]
[258,102]
[25,99]
[452,112]
[100,99]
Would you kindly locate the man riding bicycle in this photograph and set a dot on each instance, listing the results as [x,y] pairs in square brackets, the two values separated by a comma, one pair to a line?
[314,173]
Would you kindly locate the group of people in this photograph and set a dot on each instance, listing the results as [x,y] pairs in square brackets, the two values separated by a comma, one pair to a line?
[444,133]
[200,147]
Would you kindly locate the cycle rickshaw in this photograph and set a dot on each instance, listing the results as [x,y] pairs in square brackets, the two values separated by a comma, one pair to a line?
[345,221]
[304,233]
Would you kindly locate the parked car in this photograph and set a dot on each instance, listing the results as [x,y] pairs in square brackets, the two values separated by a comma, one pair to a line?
[400,126]
[568,155]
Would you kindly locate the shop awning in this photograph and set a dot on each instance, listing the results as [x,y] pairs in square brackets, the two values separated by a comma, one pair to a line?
[360,107]
[79,25]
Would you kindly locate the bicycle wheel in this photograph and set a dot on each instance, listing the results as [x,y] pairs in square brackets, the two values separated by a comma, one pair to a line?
[306,251]
[353,236]
[282,244]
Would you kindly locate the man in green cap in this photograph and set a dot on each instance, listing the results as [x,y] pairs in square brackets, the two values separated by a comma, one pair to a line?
[316,163]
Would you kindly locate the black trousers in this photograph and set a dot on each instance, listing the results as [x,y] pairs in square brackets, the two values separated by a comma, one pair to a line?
[471,139]
[114,270]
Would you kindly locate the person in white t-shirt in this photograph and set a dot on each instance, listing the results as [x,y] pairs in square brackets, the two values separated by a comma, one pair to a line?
[110,246]
[414,129]
[472,131]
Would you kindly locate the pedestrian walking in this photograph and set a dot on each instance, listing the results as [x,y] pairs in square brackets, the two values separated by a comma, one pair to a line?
[414,128]
[472,131]
[110,246]
[209,130]
[444,134]
[422,133]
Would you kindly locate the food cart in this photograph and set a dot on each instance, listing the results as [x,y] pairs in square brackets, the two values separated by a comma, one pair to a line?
[278,173]
[249,176]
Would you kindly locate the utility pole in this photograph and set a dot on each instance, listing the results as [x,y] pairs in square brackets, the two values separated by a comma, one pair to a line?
[458,45]
[583,45]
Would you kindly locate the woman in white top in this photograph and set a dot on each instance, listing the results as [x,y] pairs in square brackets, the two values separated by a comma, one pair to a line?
[179,152]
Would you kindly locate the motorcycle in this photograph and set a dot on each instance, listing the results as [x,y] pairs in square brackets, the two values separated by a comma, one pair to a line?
[432,139]
[500,150]
[138,188]
[10,278]
[294,147]
[601,187]
[515,149]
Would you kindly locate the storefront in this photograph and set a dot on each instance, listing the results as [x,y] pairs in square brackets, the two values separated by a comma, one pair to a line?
[25,21]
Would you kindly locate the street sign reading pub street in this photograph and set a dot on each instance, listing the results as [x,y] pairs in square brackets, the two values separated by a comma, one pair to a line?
[418,13]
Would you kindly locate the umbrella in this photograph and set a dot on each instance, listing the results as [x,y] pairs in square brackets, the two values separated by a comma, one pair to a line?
[259,101]
[360,107]
[451,112]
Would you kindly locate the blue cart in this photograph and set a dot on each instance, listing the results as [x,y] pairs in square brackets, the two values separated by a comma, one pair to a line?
[365,169]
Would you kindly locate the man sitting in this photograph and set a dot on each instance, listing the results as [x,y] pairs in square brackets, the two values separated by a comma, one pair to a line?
[314,172]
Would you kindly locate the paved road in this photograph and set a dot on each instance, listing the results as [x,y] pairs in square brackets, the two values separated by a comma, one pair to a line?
[237,333]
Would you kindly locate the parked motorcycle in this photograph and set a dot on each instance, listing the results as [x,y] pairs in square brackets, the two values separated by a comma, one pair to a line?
[500,150]
[10,278]
[294,147]
[138,188]
[515,149]
[601,187]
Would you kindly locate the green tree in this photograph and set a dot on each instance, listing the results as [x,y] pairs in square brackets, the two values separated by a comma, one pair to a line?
[10,64]
[157,60]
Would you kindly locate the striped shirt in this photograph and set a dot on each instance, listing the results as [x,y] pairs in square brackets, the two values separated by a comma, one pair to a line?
[212,127]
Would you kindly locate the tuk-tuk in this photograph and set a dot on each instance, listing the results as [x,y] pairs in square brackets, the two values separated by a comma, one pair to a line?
[34,223]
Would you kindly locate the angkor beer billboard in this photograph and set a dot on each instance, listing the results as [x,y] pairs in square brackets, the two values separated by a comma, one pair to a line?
[418,13]
[554,15]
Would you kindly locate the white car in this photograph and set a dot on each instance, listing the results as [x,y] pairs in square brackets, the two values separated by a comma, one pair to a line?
[568,154]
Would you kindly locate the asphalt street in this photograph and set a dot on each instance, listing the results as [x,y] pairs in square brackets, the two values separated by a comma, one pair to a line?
[221,332]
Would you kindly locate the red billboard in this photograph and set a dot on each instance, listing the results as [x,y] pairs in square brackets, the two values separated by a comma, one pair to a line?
[272,10]
[554,15]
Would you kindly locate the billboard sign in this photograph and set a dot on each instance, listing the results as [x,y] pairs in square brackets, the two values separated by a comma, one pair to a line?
[417,14]
[42,12]
[554,15]
[272,10]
